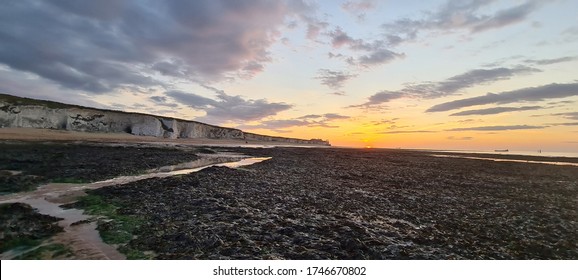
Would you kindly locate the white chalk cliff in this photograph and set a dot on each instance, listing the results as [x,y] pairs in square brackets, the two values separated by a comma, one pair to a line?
[25,112]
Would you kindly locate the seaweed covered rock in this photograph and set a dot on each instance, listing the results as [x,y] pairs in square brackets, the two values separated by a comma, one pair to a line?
[23,226]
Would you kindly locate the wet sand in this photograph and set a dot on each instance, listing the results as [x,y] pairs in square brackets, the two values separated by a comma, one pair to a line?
[43,135]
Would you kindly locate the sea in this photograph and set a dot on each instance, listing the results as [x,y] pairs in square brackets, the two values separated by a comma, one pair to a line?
[521,153]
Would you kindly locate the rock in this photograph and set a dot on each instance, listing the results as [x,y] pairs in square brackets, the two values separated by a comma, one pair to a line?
[30,113]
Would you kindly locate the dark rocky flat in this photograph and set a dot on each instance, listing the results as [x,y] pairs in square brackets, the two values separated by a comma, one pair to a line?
[22,226]
[357,204]
[40,163]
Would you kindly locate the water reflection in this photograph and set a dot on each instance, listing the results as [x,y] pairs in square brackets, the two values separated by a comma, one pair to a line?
[511,160]
[84,238]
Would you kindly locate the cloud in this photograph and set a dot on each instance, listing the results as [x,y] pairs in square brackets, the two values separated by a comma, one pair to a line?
[465,80]
[372,53]
[478,77]
[497,128]
[540,93]
[377,57]
[407,131]
[448,86]
[229,108]
[163,101]
[564,124]
[458,15]
[332,116]
[192,100]
[324,117]
[551,61]
[505,17]
[339,38]
[334,79]
[385,121]
[496,110]
[26,86]
[314,27]
[101,46]
[358,9]
[381,97]
[568,115]
[311,120]
[338,93]
[465,138]
[312,116]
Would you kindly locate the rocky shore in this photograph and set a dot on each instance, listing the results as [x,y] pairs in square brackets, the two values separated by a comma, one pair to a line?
[354,204]
[24,166]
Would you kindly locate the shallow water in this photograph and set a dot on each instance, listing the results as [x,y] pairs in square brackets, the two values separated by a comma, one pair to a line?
[84,239]
[511,160]
[518,153]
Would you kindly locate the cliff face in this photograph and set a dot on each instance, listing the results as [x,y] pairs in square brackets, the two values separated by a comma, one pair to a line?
[23,112]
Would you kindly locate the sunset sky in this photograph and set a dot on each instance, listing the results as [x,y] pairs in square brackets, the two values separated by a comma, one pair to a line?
[411,74]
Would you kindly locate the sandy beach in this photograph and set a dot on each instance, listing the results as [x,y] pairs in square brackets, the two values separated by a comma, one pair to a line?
[37,134]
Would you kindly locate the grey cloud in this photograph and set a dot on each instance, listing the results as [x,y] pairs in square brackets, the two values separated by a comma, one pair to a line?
[314,28]
[15,84]
[338,93]
[163,101]
[568,115]
[497,128]
[191,99]
[173,69]
[382,97]
[468,120]
[340,38]
[229,108]
[379,57]
[448,86]
[551,61]
[277,124]
[540,93]
[312,116]
[100,46]
[564,124]
[334,79]
[496,110]
[385,121]
[407,131]
[460,138]
[358,7]
[465,80]
[561,102]
[480,76]
[326,117]
[332,116]
[374,53]
[280,124]
[311,120]
[158,99]
[505,17]
[458,15]
[237,108]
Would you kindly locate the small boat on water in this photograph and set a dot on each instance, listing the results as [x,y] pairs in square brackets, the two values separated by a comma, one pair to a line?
[501,151]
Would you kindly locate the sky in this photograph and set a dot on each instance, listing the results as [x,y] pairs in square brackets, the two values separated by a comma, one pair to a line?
[470,74]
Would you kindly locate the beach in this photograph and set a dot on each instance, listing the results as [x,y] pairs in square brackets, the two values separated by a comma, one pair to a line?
[314,203]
